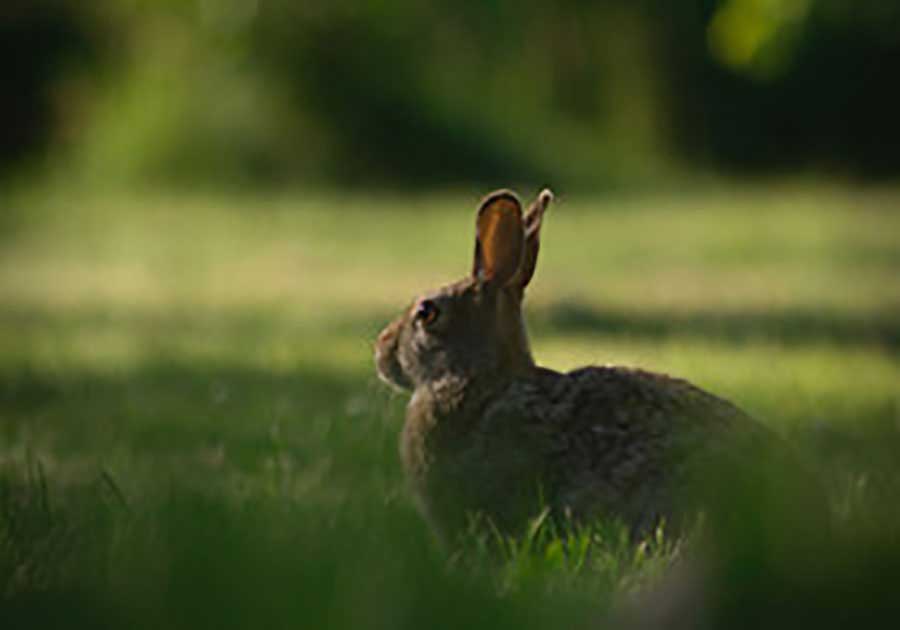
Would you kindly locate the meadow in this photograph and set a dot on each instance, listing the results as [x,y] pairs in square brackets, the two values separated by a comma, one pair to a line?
[192,434]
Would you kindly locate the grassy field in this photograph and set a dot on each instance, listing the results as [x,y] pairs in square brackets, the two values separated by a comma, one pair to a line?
[192,435]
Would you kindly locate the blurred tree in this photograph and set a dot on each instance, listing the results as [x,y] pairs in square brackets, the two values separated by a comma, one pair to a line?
[43,45]
[785,85]
[366,92]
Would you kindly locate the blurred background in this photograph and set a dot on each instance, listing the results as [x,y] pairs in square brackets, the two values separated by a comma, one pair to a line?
[424,94]
[209,208]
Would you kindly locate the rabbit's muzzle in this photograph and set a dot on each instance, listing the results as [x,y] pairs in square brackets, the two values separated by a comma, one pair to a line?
[387,362]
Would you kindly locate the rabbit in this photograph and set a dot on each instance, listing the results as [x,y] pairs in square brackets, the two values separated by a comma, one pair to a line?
[489,432]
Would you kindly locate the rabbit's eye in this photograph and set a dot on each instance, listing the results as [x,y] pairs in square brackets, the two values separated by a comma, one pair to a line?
[427,312]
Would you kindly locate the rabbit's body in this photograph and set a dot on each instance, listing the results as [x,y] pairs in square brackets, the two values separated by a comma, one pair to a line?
[597,441]
[487,431]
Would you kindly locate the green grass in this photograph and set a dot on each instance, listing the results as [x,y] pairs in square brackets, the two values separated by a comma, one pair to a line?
[191,433]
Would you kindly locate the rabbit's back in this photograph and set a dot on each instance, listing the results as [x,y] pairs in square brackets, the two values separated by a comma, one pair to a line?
[598,441]
[625,442]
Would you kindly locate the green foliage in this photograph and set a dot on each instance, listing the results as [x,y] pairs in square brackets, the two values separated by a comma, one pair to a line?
[418,94]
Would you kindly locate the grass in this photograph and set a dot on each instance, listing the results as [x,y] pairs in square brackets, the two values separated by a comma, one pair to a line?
[191,433]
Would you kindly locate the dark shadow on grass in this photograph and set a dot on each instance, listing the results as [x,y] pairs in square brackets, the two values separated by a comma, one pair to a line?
[794,326]
[202,411]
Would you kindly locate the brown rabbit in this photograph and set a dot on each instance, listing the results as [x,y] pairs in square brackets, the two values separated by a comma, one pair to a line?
[488,431]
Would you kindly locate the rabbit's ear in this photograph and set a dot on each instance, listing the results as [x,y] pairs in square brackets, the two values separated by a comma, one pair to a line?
[533,236]
[499,239]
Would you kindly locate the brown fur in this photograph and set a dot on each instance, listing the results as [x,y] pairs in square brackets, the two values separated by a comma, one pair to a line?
[487,431]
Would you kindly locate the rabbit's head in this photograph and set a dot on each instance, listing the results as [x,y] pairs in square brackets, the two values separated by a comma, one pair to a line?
[471,329]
